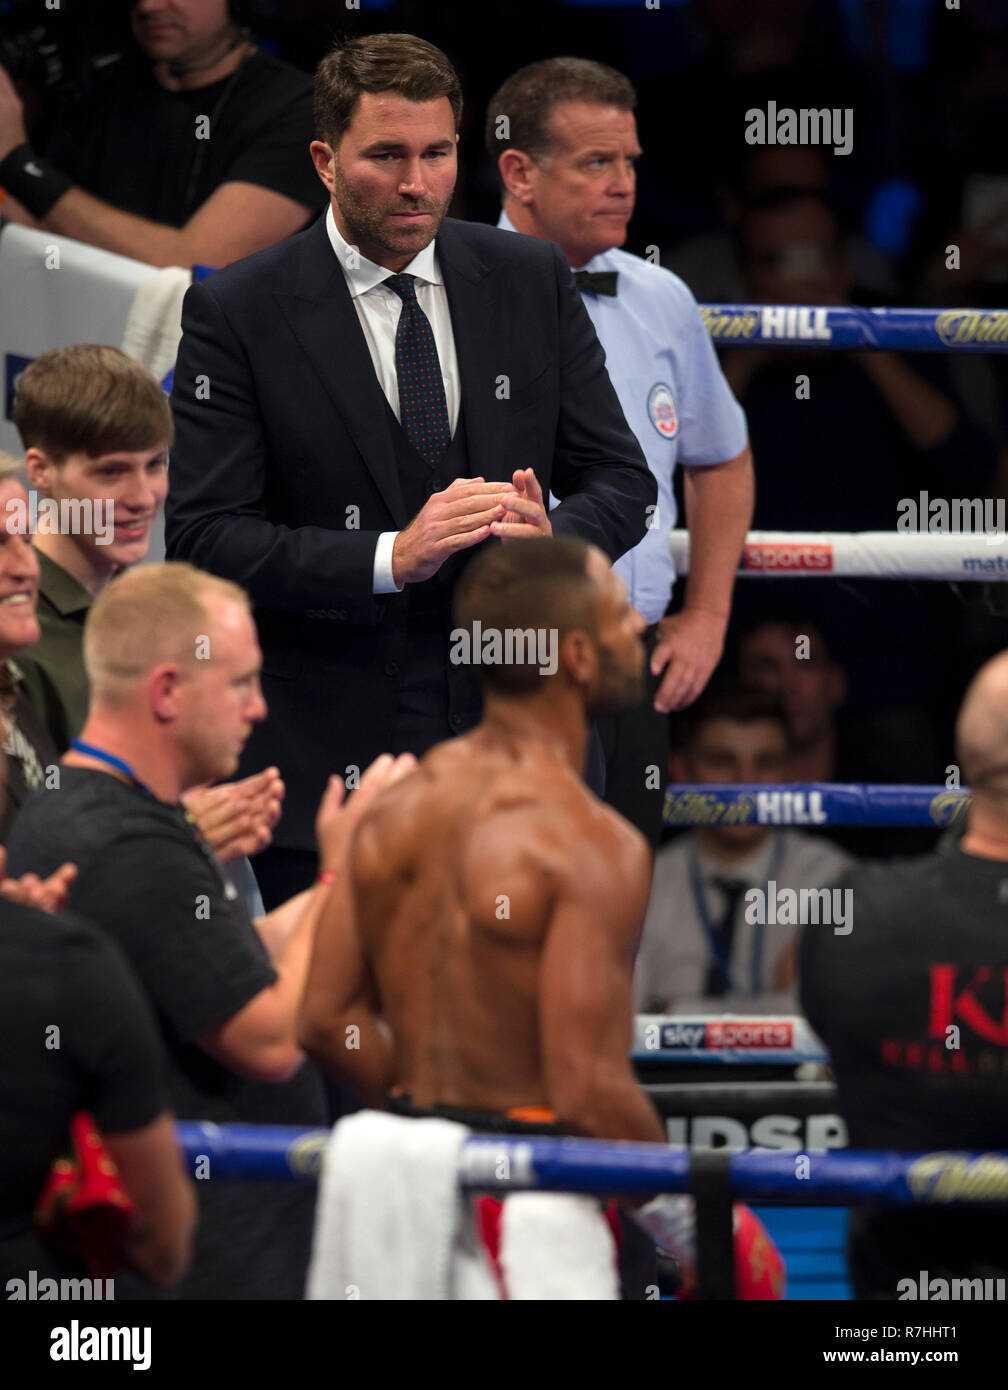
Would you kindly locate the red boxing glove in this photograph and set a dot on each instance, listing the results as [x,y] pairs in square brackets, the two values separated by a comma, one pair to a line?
[83,1207]
[760,1272]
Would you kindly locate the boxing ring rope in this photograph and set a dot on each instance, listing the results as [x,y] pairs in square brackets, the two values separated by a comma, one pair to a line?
[715,1177]
[607,1168]
[979,555]
[852,327]
[814,803]
[911,554]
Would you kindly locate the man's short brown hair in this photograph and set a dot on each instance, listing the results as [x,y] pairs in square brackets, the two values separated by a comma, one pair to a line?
[400,63]
[90,399]
[529,97]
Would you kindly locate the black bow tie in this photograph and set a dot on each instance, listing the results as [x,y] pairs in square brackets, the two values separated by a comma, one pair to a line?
[596,281]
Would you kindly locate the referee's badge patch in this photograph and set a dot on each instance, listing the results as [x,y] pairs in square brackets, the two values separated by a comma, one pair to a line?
[661,410]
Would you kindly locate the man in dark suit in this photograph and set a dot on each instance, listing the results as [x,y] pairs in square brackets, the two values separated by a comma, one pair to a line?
[358,407]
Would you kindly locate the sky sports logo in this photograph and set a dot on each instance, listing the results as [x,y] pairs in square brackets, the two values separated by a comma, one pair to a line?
[751,1035]
[787,557]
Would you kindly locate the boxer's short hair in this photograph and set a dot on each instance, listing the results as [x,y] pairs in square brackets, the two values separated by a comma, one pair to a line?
[400,63]
[521,585]
[148,615]
[90,399]
[529,97]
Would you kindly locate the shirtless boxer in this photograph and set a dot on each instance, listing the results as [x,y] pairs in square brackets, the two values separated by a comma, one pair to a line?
[482,938]
[482,933]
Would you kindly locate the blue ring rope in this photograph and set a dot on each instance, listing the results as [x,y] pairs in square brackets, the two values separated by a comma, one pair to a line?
[490,1163]
[827,326]
[813,803]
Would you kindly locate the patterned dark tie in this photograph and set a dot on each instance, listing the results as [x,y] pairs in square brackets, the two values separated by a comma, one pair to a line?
[423,410]
[724,934]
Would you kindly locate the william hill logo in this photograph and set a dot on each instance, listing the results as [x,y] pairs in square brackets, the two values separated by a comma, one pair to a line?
[957,326]
[952,1177]
[948,808]
[725,323]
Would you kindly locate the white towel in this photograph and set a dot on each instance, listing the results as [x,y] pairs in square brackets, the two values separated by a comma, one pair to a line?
[391,1221]
[154,327]
[557,1246]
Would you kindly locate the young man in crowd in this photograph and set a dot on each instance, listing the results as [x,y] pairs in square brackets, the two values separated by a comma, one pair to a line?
[706,940]
[96,428]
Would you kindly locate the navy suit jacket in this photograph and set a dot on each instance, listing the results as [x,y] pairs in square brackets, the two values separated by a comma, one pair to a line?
[283,471]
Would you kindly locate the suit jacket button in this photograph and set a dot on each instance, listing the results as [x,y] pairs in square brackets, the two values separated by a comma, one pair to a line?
[434,485]
[311,612]
[455,721]
[391,669]
[341,614]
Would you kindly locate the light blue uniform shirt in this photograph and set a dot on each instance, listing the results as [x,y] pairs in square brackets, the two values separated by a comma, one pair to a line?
[674,395]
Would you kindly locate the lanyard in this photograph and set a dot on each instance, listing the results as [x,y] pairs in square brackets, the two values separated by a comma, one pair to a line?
[713,942]
[92,751]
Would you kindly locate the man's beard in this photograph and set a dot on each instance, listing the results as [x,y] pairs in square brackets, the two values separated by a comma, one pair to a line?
[367,225]
[620,688]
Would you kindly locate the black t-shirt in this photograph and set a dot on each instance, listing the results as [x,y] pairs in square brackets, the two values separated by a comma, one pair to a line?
[58,973]
[139,147]
[147,880]
[913,1008]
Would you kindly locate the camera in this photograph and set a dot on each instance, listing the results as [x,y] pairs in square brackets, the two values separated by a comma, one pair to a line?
[59,52]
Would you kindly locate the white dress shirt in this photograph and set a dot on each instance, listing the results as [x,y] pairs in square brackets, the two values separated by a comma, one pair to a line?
[378,310]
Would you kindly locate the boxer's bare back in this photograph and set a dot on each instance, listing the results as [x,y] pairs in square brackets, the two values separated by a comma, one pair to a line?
[498,905]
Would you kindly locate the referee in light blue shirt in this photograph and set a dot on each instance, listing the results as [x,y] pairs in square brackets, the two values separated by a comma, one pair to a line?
[563,135]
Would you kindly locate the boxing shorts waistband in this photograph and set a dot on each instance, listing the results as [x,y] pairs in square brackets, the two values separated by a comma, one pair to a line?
[519,1119]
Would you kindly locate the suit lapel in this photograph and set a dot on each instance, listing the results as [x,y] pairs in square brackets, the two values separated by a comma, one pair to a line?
[472,294]
[322,317]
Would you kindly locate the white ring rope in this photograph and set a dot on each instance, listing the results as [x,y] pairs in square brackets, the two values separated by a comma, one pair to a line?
[963,555]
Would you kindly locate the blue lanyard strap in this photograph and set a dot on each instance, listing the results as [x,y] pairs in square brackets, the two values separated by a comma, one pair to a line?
[91,751]
[715,945]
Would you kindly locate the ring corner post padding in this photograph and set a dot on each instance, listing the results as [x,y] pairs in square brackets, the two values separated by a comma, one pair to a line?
[710,1186]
